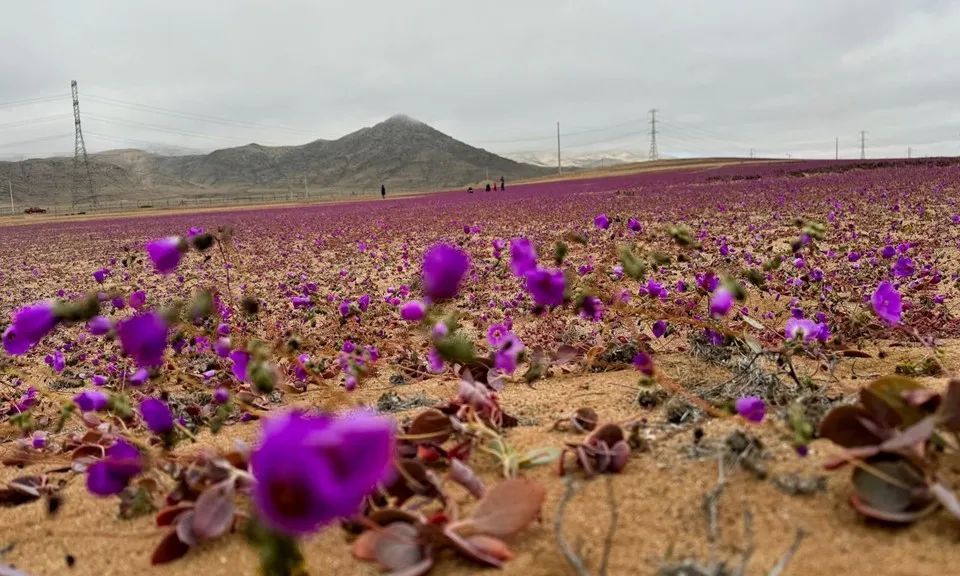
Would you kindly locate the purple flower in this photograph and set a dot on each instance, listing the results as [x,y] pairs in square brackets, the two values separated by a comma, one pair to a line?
[157,415]
[194,231]
[99,325]
[91,400]
[751,409]
[591,308]
[99,380]
[803,329]
[166,253]
[300,301]
[221,395]
[111,475]
[137,299]
[221,346]
[634,225]
[546,287]
[139,377]
[508,353]
[523,256]
[644,363]
[59,362]
[601,222]
[313,469]
[363,302]
[496,333]
[413,311]
[887,304]
[39,440]
[904,267]
[434,361]
[888,252]
[444,267]
[240,361]
[100,275]
[659,328]
[144,337]
[721,302]
[29,326]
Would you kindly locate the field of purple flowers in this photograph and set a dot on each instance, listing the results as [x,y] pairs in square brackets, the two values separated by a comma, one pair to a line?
[737,370]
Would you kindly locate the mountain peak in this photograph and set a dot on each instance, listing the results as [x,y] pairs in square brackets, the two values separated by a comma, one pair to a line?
[398,119]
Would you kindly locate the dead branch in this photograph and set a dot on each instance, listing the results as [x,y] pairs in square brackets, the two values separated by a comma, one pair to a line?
[748,542]
[614,518]
[781,564]
[711,502]
[572,557]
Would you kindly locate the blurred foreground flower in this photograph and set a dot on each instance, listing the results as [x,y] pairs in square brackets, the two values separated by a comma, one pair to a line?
[443,269]
[887,303]
[111,474]
[751,409]
[144,337]
[30,324]
[166,253]
[523,256]
[313,469]
[721,302]
[546,287]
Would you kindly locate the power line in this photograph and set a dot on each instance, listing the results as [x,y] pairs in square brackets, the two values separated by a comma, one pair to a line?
[34,140]
[654,153]
[201,117]
[158,128]
[37,120]
[33,100]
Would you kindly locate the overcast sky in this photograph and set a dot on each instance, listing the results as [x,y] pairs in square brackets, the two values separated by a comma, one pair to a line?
[780,76]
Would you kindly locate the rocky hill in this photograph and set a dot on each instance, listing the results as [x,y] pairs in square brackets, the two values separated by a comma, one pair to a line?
[401,152]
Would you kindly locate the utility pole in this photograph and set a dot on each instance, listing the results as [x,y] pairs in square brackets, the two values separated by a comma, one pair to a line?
[654,154]
[909,152]
[559,167]
[305,193]
[863,149]
[751,153]
[10,189]
[81,181]
[836,148]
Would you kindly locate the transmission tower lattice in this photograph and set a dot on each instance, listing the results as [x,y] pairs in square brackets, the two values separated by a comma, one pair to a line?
[654,153]
[82,181]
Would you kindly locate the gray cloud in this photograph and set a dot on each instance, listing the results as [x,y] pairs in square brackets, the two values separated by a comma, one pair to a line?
[782,77]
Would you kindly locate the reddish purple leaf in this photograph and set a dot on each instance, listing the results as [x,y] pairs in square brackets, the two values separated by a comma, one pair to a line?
[169,549]
[184,528]
[463,475]
[397,547]
[169,515]
[916,434]
[430,426]
[946,497]
[507,508]
[213,513]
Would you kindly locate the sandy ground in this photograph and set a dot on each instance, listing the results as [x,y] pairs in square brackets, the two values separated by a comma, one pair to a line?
[659,499]
[618,170]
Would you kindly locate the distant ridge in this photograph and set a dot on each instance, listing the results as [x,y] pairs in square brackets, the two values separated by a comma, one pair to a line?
[401,152]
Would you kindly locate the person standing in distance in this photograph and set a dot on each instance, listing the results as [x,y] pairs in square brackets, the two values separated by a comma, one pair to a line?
[502,185]
[383,191]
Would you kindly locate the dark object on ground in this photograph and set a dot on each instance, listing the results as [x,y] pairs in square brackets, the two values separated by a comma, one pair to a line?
[35,210]
[488,186]
[470,190]
[383,191]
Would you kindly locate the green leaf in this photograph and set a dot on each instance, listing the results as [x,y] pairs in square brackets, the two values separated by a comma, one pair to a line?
[539,456]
